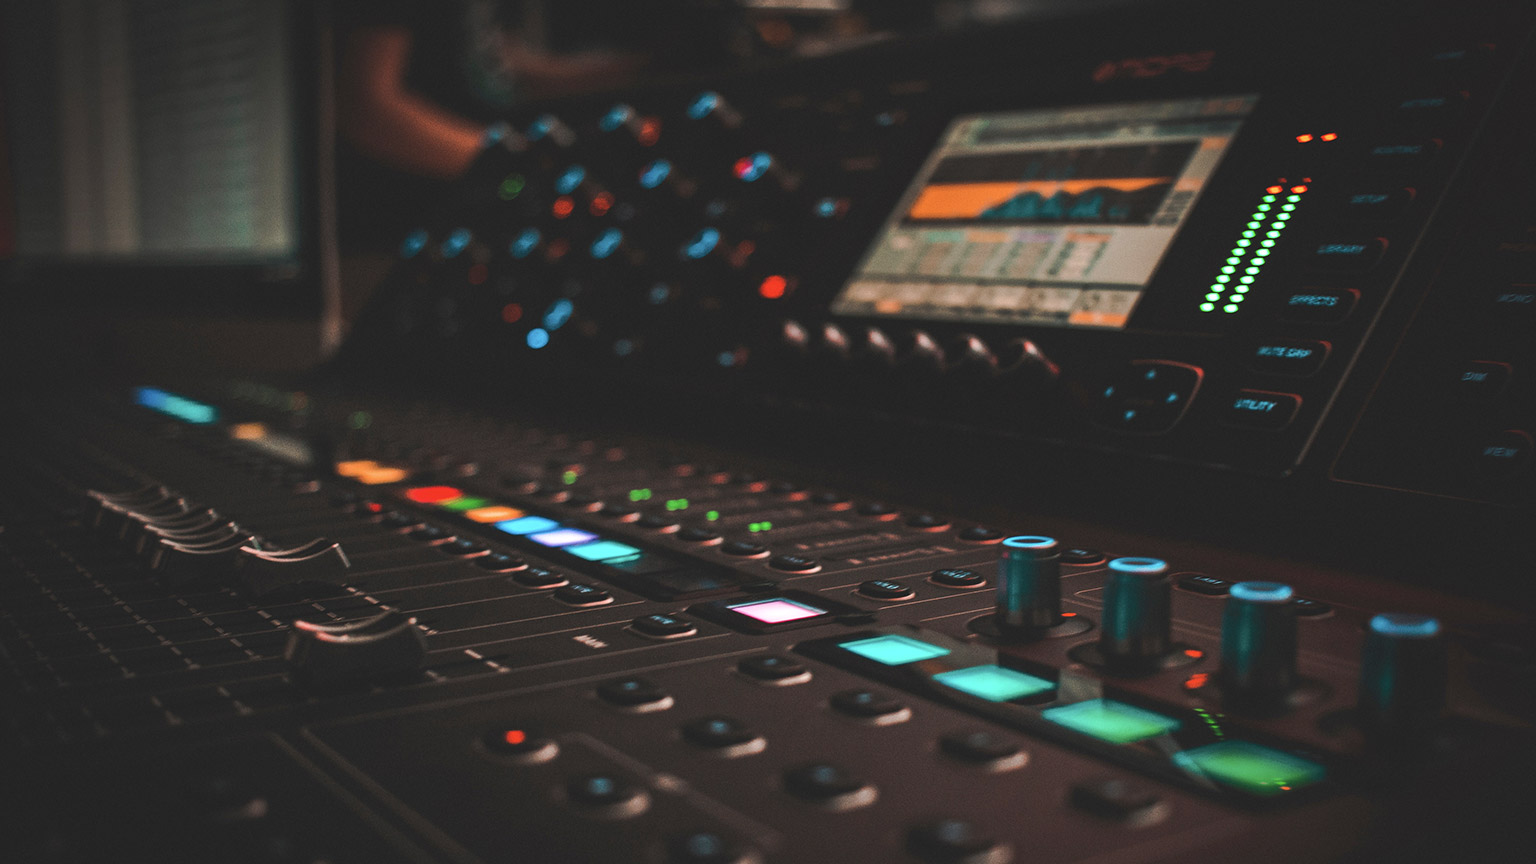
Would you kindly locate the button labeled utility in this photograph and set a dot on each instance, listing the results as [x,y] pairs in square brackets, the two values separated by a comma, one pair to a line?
[1260,409]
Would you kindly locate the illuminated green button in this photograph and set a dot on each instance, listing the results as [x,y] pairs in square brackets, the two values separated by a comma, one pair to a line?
[1114,722]
[993,683]
[894,650]
[603,550]
[1251,767]
[459,505]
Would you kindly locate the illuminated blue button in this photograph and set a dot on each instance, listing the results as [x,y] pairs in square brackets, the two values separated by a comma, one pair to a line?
[558,314]
[826,208]
[527,525]
[1262,592]
[457,242]
[566,183]
[894,650]
[702,243]
[704,103]
[615,117]
[1110,721]
[538,337]
[655,172]
[606,243]
[525,242]
[1251,767]
[494,133]
[754,166]
[1403,626]
[561,537]
[540,127]
[603,550]
[413,243]
[993,683]
[179,407]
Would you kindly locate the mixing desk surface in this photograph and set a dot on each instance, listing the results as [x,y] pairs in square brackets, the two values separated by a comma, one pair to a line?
[1098,440]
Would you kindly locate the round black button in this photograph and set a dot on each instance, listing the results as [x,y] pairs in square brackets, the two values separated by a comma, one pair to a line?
[704,847]
[718,732]
[1081,556]
[431,534]
[951,841]
[981,747]
[463,547]
[870,705]
[957,578]
[634,692]
[577,594]
[832,500]
[584,503]
[1203,584]
[785,487]
[822,782]
[619,512]
[520,743]
[663,626]
[876,510]
[1310,608]
[794,563]
[773,667]
[698,535]
[657,523]
[498,562]
[927,522]
[885,589]
[742,549]
[980,534]
[550,492]
[540,577]
[1121,800]
[396,521]
[601,790]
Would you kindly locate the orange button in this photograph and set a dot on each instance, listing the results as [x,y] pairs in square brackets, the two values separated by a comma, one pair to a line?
[493,514]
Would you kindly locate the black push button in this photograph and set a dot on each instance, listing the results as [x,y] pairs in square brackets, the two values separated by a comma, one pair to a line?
[584,503]
[1402,156]
[774,669]
[1124,801]
[658,523]
[1082,557]
[577,594]
[983,749]
[634,692]
[794,563]
[703,536]
[871,705]
[1347,255]
[980,534]
[705,847]
[785,487]
[726,736]
[1503,454]
[1310,608]
[827,784]
[954,577]
[1430,111]
[499,562]
[519,743]
[1260,409]
[927,522]
[398,522]
[540,578]
[619,512]
[463,547]
[953,841]
[1511,304]
[1319,305]
[660,626]
[1298,357]
[1480,381]
[1210,586]
[832,500]
[742,549]
[606,792]
[1378,204]
[877,510]
[885,589]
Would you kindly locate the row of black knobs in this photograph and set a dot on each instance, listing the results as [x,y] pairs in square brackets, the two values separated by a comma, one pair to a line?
[1402,680]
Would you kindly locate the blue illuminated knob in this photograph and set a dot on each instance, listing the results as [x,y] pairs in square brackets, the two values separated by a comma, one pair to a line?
[1137,611]
[1258,645]
[1402,676]
[1028,585]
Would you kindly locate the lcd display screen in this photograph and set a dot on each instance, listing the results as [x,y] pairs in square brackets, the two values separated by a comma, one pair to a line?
[1056,217]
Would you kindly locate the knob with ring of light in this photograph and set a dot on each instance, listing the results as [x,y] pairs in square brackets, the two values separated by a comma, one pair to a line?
[1028,599]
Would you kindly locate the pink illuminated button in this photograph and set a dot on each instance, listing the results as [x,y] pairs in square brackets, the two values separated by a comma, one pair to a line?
[776,611]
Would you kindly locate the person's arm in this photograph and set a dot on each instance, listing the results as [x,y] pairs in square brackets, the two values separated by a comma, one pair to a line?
[386,121]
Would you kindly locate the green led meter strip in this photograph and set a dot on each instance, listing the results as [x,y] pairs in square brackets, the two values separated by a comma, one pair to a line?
[1253,247]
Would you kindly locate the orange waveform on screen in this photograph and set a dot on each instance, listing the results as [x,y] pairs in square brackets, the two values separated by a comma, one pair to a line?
[970,200]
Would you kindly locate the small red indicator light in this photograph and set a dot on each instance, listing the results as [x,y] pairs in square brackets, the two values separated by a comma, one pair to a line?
[1329,136]
[373,507]
[1302,139]
[433,494]
[512,313]
[1196,681]
[1298,189]
[1069,614]
[514,736]
[563,207]
[743,167]
[1275,190]
[773,287]
[650,131]
[601,204]
[1196,653]
[478,274]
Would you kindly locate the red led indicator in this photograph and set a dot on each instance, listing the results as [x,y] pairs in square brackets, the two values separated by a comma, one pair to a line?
[1196,653]
[1302,139]
[1069,614]
[433,494]
[1298,189]
[373,506]
[743,167]
[1329,136]
[1196,681]
[1275,190]
[773,287]
[478,274]
[512,313]
[514,736]
[563,207]
[650,131]
[601,204]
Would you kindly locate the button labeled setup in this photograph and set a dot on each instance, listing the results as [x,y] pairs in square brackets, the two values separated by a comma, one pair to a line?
[1260,409]
[1376,204]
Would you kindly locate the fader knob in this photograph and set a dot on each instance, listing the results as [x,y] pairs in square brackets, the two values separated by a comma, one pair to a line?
[1258,645]
[1137,610]
[1023,361]
[386,646]
[1402,676]
[1028,586]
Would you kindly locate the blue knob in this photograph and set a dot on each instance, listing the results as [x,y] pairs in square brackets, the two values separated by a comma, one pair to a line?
[1402,676]
[1258,645]
[1028,585]
[1137,611]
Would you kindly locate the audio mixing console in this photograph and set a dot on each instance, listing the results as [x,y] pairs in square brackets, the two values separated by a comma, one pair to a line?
[1094,440]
